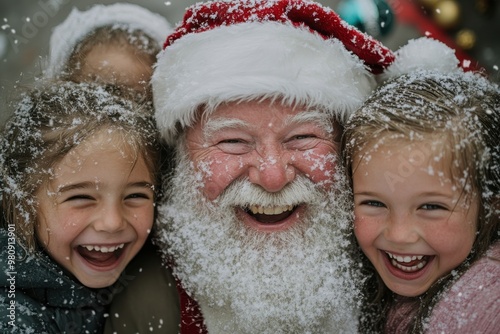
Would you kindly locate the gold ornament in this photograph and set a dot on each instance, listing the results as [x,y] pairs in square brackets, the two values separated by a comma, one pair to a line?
[447,14]
[466,39]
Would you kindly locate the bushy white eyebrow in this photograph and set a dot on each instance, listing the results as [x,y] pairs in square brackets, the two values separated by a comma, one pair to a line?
[310,116]
[216,124]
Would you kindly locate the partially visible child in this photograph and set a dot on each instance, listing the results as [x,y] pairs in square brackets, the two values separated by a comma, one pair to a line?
[115,44]
[423,155]
[80,169]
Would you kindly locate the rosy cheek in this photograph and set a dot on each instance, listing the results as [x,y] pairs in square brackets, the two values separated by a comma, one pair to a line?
[318,166]
[360,232]
[358,221]
[211,191]
[219,174]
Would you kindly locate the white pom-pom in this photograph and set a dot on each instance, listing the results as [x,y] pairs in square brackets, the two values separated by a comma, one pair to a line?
[421,54]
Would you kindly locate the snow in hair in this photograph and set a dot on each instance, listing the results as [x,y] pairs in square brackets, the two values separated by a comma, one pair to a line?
[252,61]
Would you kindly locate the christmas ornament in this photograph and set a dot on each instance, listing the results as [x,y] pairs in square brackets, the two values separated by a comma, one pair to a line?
[375,17]
[466,39]
[447,14]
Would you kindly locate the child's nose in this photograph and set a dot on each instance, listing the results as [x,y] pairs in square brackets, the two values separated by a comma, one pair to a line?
[401,229]
[110,220]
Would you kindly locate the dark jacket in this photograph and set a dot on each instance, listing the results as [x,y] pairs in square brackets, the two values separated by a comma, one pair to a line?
[38,296]
[149,303]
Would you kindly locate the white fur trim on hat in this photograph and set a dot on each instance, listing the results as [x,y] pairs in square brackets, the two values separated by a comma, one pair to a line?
[80,24]
[421,54]
[255,60]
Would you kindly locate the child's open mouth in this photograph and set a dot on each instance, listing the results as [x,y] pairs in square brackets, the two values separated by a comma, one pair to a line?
[408,263]
[101,255]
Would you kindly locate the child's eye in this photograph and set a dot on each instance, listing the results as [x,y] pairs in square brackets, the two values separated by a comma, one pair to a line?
[429,206]
[373,203]
[78,197]
[138,195]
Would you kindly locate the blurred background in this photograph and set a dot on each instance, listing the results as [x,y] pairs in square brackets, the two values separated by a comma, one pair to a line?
[472,27]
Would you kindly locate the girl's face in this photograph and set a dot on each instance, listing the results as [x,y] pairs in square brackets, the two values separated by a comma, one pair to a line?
[97,210]
[411,220]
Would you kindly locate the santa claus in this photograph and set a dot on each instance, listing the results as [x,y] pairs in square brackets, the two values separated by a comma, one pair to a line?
[256,222]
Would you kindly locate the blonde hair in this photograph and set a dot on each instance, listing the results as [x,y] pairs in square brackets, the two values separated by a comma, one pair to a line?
[48,123]
[463,109]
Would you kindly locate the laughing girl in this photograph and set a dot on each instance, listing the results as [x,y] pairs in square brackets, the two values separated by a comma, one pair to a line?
[79,174]
[424,161]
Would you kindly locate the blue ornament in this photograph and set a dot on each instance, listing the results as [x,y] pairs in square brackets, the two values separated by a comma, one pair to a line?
[375,17]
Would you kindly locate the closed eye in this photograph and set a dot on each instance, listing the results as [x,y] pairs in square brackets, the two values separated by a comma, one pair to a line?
[78,197]
[303,142]
[234,146]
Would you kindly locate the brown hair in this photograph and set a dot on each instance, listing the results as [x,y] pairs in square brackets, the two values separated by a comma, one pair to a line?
[48,123]
[134,42]
[463,109]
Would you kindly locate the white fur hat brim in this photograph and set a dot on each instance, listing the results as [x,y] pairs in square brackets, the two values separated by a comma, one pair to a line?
[79,24]
[255,60]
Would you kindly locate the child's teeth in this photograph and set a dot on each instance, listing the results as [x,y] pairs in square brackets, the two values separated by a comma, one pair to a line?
[104,249]
[405,259]
[416,267]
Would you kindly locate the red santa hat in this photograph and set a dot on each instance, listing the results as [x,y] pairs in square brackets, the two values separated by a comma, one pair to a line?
[294,50]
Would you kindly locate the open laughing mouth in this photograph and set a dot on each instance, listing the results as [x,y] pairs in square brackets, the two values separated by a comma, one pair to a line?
[270,215]
[101,256]
[408,263]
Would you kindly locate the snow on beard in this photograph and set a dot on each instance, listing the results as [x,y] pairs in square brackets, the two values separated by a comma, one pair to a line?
[301,280]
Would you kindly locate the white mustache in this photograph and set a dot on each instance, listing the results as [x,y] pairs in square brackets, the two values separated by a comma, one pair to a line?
[245,194]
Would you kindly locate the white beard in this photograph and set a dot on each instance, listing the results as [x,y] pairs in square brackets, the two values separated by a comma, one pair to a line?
[301,280]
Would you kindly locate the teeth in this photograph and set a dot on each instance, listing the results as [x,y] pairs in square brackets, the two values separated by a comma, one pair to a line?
[420,265]
[397,261]
[276,210]
[103,249]
[405,259]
